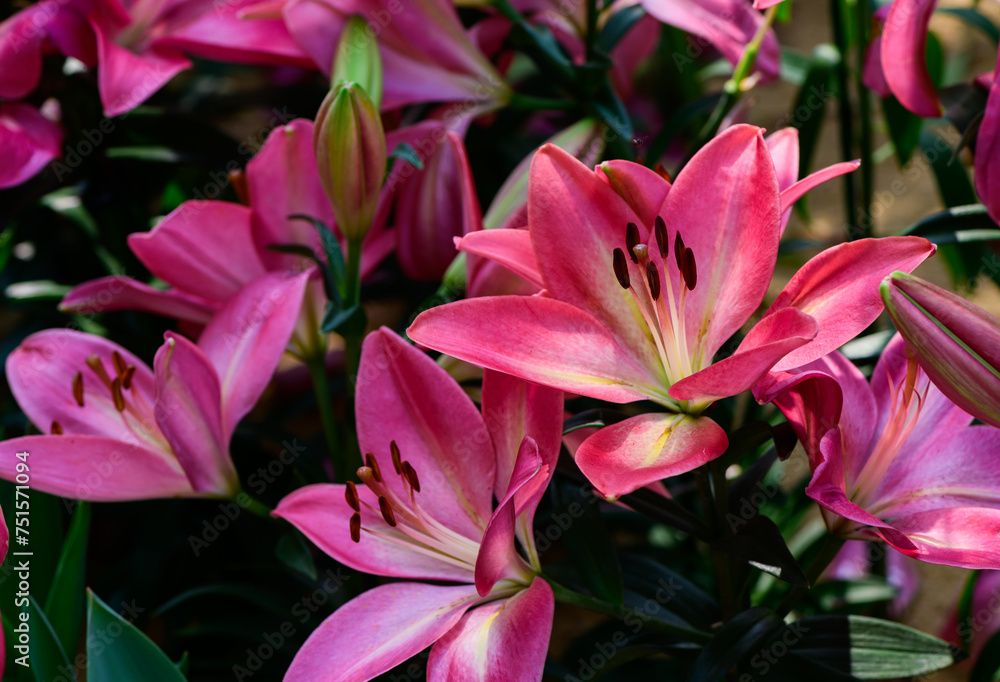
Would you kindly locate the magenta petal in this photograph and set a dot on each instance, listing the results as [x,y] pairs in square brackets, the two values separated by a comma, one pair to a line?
[638,451]
[555,344]
[958,536]
[797,190]
[904,56]
[498,557]
[246,339]
[769,341]
[872,76]
[378,630]
[498,642]
[988,153]
[123,293]
[22,37]
[839,288]
[403,395]
[321,512]
[189,412]
[95,468]
[643,189]
[784,147]
[202,247]
[28,141]
[510,248]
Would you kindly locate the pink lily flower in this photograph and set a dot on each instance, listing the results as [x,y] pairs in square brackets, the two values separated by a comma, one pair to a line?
[987,151]
[28,142]
[425,513]
[427,54]
[119,430]
[895,459]
[956,342]
[232,242]
[644,282]
[903,54]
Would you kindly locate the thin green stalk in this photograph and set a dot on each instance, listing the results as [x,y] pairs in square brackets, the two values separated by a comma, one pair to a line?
[253,505]
[845,112]
[831,545]
[863,19]
[568,596]
[591,29]
[338,454]
[531,103]
[352,296]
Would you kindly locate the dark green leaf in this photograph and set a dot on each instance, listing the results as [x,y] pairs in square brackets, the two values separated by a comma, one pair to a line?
[667,511]
[334,271]
[6,247]
[588,541]
[335,319]
[117,650]
[835,594]
[253,594]
[618,25]
[67,596]
[150,153]
[404,152]
[758,541]
[46,653]
[741,635]
[904,128]
[293,552]
[670,590]
[596,418]
[987,668]
[818,87]
[965,607]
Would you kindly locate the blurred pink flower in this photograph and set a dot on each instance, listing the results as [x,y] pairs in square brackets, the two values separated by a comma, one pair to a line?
[28,141]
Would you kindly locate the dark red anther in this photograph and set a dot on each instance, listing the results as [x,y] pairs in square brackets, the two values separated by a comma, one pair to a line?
[119,362]
[662,172]
[97,367]
[116,394]
[383,506]
[631,240]
[679,250]
[653,277]
[372,464]
[411,476]
[127,377]
[356,527]
[351,495]
[56,429]
[78,388]
[397,460]
[621,268]
[238,179]
[689,270]
[660,230]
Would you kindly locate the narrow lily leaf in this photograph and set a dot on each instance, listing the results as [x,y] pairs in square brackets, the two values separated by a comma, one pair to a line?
[837,594]
[671,590]
[335,318]
[618,25]
[987,668]
[6,247]
[404,152]
[129,656]
[46,654]
[38,290]
[294,553]
[965,607]
[596,418]
[357,59]
[758,541]
[904,128]
[741,635]
[334,271]
[266,601]
[66,597]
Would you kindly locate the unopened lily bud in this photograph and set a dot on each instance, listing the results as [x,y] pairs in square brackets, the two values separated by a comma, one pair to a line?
[956,342]
[351,155]
[357,59]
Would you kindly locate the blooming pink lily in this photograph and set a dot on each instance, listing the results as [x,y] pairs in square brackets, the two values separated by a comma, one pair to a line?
[425,512]
[119,430]
[208,250]
[644,282]
[28,141]
[956,342]
[895,460]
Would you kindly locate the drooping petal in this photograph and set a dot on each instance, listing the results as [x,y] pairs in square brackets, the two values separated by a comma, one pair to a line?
[403,395]
[321,512]
[498,557]
[988,152]
[378,630]
[555,344]
[725,206]
[245,340]
[904,56]
[839,288]
[957,536]
[112,293]
[638,451]
[189,412]
[95,468]
[955,342]
[510,248]
[503,640]
[643,189]
[28,141]
[769,341]
[202,247]
[797,190]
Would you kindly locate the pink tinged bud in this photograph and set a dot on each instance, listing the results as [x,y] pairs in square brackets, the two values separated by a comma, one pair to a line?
[351,154]
[956,342]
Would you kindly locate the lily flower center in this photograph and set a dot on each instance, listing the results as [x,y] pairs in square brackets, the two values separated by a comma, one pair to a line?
[658,297]
[410,525]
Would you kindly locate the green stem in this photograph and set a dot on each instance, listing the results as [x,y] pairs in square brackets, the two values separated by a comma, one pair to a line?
[253,505]
[568,596]
[862,14]
[845,112]
[531,103]
[352,296]
[591,29]
[338,454]
[831,545]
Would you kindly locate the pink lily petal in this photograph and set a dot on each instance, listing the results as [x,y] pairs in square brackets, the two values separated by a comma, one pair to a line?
[576,221]
[510,248]
[725,205]
[839,288]
[769,341]
[126,79]
[22,38]
[378,630]
[987,174]
[498,557]
[643,189]
[41,372]
[872,76]
[958,536]
[638,451]
[784,147]
[764,4]
[632,50]
[283,179]
[95,468]
[797,190]
[904,56]
[245,340]
[513,409]
[28,142]
[405,396]
[503,640]
[123,293]
[321,512]
[189,412]
[556,344]
[202,246]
